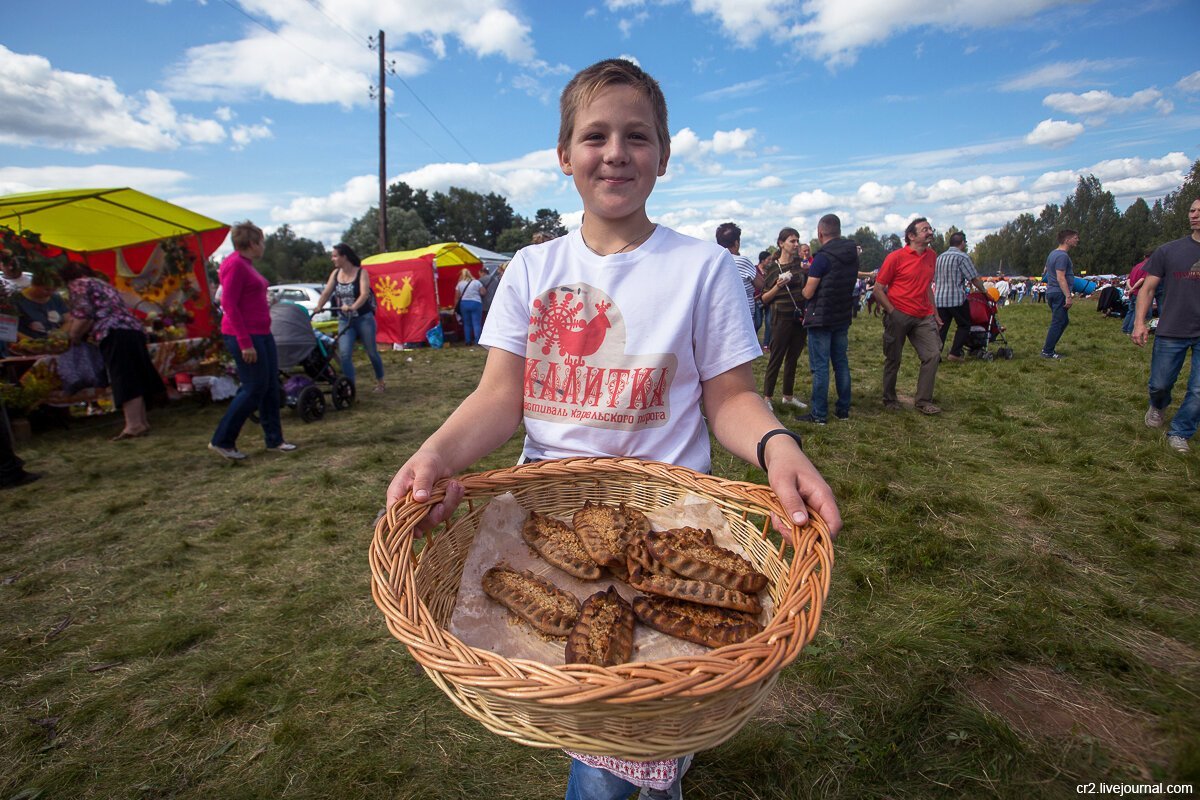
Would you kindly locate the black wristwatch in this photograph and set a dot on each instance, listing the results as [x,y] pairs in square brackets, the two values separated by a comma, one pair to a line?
[762,443]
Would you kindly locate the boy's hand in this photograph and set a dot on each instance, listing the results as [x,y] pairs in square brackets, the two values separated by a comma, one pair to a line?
[796,481]
[419,474]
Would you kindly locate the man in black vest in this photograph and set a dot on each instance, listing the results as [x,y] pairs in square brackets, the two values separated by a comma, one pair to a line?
[830,295]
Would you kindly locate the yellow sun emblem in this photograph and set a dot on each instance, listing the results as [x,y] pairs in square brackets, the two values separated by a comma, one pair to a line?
[393,296]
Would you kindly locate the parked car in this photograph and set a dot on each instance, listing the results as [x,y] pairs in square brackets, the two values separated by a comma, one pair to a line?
[304,295]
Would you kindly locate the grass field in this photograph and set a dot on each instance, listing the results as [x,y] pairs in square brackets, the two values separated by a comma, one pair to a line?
[1015,607]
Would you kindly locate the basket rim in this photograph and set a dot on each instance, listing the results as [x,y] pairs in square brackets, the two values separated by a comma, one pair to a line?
[434,647]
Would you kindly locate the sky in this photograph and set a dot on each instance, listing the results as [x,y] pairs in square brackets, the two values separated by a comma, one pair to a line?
[968,112]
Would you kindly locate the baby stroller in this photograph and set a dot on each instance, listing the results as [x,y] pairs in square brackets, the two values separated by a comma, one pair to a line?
[300,347]
[985,329]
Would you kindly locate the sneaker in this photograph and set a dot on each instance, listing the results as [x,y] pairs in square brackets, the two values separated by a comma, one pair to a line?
[1052,355]
[770,406]
[841,414]
[1178,444]
[283,447]
[929,409]
[809,418]
[792,401]
[1154,417]
[232,453]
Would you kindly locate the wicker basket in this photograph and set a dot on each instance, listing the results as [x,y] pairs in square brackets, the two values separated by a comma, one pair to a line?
[640,710]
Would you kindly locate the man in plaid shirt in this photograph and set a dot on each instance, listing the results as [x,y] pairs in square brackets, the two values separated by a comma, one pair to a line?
[954,268]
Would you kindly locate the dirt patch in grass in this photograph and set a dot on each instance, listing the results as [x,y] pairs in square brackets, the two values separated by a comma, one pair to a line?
[791,701]
[1037,703]
[1162,652]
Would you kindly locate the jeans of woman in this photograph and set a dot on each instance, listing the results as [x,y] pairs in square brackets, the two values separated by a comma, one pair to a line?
[1166,362]
[259,392]
[472,317]
[1058,320]
[826,345]
[361,327]
[593,783]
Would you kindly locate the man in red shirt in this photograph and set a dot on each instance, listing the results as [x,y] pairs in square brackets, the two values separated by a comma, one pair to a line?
[904,290]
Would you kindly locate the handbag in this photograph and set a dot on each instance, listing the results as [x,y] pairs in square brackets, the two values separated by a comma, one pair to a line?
[81,367]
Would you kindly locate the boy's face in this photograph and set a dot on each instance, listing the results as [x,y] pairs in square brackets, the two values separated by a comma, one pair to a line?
[614,154]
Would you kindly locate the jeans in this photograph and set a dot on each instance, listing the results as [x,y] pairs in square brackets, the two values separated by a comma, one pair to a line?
[757,316]
[593,783]
[259,391]
[472,317]
[961,314]
[1058,320]
[922,332]
[1131,316]
[768,319]
[825,345]
[361,327]
[1166,362]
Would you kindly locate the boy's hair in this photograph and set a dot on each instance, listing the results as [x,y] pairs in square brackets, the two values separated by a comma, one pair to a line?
[584,87]
[244,234]
[1066,233]
[912,228]
[728,235]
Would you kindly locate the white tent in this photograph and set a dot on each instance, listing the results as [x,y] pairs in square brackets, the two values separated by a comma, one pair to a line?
[491,259]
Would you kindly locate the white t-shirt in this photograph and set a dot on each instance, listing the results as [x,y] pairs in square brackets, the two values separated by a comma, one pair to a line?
[615,347]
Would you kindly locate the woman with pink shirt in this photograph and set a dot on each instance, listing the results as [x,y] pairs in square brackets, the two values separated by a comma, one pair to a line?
[246,326]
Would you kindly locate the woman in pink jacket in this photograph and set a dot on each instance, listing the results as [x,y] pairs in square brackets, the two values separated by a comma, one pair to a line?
[246,326]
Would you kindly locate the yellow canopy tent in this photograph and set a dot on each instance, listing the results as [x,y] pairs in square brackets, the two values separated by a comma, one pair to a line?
[117,232]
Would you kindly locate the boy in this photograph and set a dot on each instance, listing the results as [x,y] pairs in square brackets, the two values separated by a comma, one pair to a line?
[605,342]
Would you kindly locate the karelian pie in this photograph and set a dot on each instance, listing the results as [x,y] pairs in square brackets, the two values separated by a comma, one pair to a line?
[606,530]
[535,600]
[559,545]
[686,554]
[709,594]
[714,627]
[603,636]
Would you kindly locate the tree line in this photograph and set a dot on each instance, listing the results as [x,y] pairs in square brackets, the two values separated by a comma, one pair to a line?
[416,218]
[1110,242]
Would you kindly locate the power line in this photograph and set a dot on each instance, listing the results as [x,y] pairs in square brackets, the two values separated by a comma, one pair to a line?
[449,133]
[358,39]
[259,23]
[427,144]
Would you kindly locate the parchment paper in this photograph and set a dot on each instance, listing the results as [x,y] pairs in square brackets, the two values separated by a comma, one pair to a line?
[483,623]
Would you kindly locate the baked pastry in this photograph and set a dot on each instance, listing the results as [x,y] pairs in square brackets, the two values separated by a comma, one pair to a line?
[535,600]
[559,545]
[606,530]
[604,633]
[714,627]
[690,556]
[709,594]
[636,553]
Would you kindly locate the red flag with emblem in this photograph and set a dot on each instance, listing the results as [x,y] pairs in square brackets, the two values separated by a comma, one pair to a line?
[405,300]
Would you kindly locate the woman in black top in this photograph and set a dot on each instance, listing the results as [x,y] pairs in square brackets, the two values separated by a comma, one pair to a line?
[785,278]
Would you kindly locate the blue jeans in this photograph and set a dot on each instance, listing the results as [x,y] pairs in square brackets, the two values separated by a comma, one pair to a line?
[259,392]
[593,783]
[1166,362]
[362,328]
[757,315]
[472,317]
[1131,316]
[825,345]
[1058,320]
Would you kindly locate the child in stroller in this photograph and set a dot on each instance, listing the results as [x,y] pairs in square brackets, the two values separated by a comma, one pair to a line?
[299,346]
[985,329]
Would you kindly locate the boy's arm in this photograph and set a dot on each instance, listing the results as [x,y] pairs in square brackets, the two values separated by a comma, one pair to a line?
[483,422]
[739,419]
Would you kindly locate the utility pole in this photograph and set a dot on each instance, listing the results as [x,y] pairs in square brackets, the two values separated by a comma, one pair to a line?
[378,44]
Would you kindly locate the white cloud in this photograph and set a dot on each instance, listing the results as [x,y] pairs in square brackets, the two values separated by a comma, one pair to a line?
[243,135]
[872,194]
[1060,73]
[294,61]
[144,179]
[949,189]
[226,207]
[835,30]
[69,110]
[1168,171]
[769,182]
[1054,133]
[1164,107]
[1100,103]
[687,146]
[816,200]
[1189,83]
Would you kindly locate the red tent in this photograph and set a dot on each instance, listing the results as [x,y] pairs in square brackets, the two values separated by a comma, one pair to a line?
[413,296]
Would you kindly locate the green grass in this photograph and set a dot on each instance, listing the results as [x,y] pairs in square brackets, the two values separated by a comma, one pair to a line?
[1014,606]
